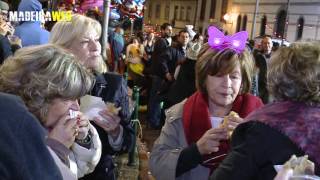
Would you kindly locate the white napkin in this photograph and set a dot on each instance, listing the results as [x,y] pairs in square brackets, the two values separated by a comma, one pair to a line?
[91,106]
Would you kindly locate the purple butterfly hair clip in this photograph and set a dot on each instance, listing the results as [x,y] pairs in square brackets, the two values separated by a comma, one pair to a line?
[218,40]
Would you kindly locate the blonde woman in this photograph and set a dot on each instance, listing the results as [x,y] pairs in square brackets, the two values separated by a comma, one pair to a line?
[134,59]
[81,37]
[50,81]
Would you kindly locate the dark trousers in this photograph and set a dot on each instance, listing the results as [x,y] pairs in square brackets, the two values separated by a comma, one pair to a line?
[154,108]
[105,170]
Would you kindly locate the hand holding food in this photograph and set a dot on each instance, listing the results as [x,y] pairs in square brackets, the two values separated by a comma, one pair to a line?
[297,168]
[111,121]
[231,122]
[112,108]
[300,165]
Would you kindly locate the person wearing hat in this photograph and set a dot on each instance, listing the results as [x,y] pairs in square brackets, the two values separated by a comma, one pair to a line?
[31,32]
[186,78]
[4,6]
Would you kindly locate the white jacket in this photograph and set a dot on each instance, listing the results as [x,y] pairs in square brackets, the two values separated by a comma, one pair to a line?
[82,160]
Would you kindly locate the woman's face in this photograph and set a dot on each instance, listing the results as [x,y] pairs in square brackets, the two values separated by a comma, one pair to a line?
[223,89]
[135,41]
[59,108]
[87,49]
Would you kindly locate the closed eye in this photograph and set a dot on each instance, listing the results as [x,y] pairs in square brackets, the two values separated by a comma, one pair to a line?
[235,76]
[84,42]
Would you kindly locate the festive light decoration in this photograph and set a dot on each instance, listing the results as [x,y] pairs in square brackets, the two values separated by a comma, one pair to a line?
[120,10]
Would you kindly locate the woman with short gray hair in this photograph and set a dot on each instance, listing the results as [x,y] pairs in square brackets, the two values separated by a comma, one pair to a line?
[50,81]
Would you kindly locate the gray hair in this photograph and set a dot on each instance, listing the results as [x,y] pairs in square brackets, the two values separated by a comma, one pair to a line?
[294,73]
[39,74]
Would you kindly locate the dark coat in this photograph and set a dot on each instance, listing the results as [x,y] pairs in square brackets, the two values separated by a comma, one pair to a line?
[5,48]
[261,63]
[112,87]
[159,47]
[185,81]
[23,153]
[167,61]
[256,148]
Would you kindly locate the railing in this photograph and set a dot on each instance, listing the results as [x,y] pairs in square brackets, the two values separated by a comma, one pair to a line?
[135,121]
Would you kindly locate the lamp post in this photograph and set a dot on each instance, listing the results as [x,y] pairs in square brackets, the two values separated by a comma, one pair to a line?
[286,25]
[253,32]
[105,25]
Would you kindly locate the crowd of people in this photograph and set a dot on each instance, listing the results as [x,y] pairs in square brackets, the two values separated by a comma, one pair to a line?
[226,109]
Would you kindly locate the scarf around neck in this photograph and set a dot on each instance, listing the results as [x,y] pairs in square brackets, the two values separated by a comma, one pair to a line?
[196,119]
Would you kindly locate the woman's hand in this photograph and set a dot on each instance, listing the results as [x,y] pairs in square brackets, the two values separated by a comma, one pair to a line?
[210,141]
[65,131]
[83,125]
[110,123]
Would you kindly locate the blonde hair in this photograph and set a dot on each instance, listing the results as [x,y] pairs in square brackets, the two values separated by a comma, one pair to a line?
[294,73]
[39,74]
[212,62]
[64,33]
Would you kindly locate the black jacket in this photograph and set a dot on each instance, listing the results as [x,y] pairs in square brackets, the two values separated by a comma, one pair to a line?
[167,61]
[261,63]
[255,149]
[112,87]
[160,46]
[185,81]
[5,48]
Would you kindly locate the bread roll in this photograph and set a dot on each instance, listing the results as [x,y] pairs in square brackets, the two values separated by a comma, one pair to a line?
[226,121]
[112,108]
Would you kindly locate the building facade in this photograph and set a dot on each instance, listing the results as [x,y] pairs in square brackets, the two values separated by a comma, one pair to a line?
[199,13]
[288,19]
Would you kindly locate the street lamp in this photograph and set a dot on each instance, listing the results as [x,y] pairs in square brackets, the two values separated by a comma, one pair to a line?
[226,17]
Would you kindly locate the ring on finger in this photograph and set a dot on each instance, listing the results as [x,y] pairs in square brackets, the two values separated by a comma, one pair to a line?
[76,131]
